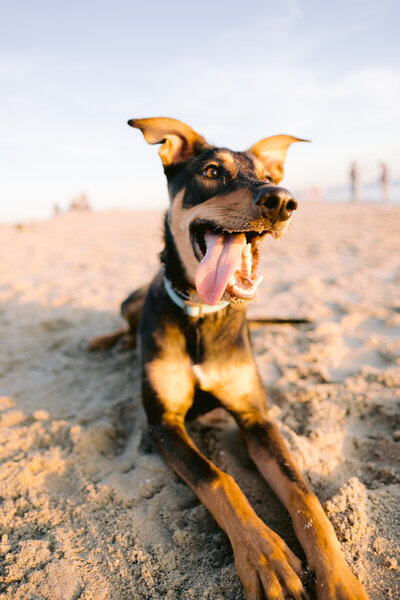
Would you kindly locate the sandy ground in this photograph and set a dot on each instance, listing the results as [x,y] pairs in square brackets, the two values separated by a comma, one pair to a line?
[88,509]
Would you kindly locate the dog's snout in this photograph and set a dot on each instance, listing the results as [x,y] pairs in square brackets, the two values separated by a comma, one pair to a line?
[276,202]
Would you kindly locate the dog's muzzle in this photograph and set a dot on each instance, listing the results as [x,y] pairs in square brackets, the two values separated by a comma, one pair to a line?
[276,203]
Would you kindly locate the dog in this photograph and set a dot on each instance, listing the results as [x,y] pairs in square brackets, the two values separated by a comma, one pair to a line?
[196,354]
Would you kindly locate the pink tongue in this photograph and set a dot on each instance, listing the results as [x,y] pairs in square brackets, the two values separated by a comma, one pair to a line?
[222,259]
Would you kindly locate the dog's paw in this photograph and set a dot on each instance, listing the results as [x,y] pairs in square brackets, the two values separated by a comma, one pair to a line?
[128,342]
[105,342]
[338,583]
[102,342]
[268,568]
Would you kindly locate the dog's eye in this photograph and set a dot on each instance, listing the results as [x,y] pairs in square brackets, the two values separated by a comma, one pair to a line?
[268,178]
[211,172]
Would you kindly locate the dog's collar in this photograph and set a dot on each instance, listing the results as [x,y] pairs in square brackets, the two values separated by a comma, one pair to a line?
[191,308]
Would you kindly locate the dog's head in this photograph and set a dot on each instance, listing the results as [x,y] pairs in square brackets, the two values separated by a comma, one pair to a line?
[223,204]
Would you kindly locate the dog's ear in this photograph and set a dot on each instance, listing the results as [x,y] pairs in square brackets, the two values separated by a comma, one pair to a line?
[271,151]
[179,142]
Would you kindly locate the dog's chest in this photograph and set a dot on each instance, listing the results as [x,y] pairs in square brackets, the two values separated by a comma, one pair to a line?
[230,378]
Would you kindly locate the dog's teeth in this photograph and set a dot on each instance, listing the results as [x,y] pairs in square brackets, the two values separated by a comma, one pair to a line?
[241,291]
[246,261]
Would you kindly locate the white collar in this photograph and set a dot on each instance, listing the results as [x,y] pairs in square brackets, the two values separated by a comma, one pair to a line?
[191,308]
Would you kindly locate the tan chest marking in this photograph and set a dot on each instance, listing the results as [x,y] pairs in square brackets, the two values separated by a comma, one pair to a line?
[229,161]
[173,382]
[170,374]
[230,382]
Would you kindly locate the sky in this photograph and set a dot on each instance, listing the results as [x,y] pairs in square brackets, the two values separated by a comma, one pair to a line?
[72,74]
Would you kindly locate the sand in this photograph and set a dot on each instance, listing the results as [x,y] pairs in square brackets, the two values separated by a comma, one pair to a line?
[89,510]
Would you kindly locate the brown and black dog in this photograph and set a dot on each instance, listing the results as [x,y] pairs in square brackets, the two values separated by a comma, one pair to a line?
[196,354]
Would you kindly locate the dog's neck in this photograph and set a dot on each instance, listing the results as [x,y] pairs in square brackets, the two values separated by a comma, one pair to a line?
[192,307]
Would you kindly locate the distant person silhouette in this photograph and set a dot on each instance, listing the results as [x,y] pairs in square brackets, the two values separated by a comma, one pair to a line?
[355,181]
[80,203]
[384,179]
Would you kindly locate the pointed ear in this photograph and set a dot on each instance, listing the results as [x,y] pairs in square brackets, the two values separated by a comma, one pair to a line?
[179,142]
[271,151]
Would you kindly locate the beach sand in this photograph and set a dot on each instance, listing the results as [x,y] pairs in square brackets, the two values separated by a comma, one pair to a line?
[89,511]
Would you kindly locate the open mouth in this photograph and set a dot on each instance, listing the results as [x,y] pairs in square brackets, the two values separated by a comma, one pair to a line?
[228,262]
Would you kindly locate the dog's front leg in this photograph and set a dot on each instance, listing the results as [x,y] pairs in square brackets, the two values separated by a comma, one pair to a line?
[266,566]
[240,390]
[268,449]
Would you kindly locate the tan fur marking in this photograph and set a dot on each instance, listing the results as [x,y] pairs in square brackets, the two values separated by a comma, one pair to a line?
[312,527]
[180,231]
[229,161]
[170,373]
[173,382]
[229,382]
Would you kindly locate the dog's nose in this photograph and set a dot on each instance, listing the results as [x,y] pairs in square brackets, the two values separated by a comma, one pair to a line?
[277,202]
